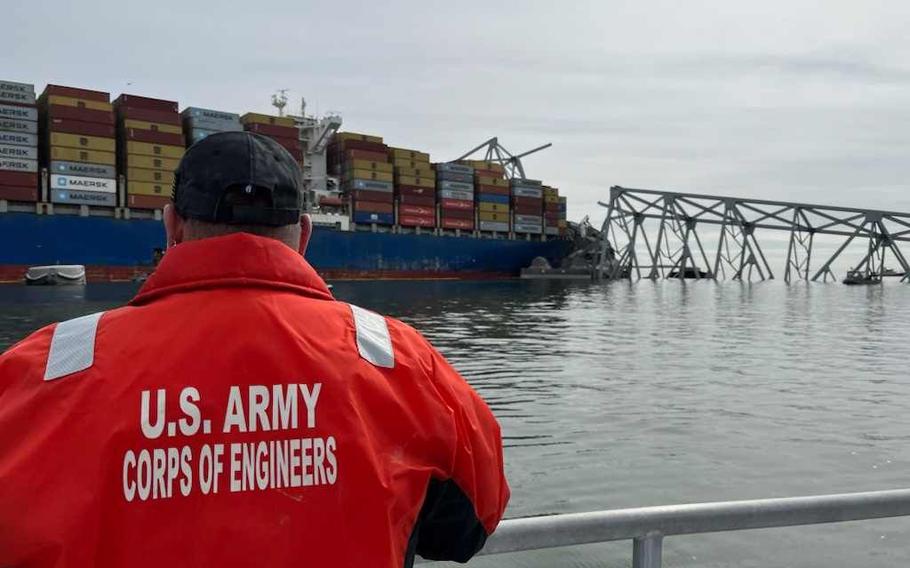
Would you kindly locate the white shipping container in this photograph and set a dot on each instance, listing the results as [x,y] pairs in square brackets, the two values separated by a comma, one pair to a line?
[79,183]
[22,93]
[83,169]
[552,230]
[11,125]
[18,138]
[494,226]
[456,194]
[533,229]
[19,152]
[529,219]
[19,113]
[519,182]
[456,185]
[83,197]
[18,165]
[527,192]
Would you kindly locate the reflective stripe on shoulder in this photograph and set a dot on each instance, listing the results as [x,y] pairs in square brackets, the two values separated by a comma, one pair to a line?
[72,347]
[373,340]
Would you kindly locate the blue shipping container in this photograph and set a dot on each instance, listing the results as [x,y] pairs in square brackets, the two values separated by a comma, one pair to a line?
[491,198]
[378,218]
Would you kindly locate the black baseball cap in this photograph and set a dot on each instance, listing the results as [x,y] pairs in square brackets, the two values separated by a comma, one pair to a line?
[238,178]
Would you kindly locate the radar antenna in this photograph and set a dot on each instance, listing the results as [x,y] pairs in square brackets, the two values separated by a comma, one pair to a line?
[280,100]
[496,152]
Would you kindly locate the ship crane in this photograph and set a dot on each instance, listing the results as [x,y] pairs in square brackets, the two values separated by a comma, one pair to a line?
[496,152]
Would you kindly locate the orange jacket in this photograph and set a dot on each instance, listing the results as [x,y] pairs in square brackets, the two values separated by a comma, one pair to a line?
[235,414]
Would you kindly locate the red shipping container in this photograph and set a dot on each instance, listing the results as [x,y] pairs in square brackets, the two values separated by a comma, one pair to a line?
[493,190]
[417,210]
[18,179]
[365,155]
[416,190]
[75,93]
[147,201]
[154,137]
[529,201]
[289,144]
[149,115]
[372,207]
[416,221]
[526,210]
[426,200]
[137,102]
[463,224]
[11,193]
[349,145]
[80,114]
[551,222]
[456,213]
[67,126]
[554,207]
[488,173]
[457,204]
[374,196]
[549,215]
[273,130]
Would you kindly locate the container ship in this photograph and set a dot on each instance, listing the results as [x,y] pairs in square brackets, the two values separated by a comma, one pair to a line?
[84,179]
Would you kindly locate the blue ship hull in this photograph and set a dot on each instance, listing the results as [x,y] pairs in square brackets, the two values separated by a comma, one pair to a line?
[115,249]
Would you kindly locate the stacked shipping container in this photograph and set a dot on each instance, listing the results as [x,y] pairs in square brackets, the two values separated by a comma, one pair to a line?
[493,204]
[151,145]
[527,206]
[414,188]
[367,176]
[18,142]
[551,210]
[455,192]
[281,129]
[79,143]
[200,122]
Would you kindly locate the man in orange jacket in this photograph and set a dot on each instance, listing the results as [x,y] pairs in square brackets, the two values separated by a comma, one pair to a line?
[235,413]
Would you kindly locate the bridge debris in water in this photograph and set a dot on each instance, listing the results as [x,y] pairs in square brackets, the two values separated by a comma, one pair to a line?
[662,234]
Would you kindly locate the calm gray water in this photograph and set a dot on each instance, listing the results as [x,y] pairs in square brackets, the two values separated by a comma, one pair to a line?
[619,395]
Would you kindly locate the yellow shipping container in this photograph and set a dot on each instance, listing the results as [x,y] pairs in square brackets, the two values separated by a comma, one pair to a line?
[154,126]
[369,174]
[551,198]
[368,165]
[416,172]
[484,165]
[148,188]
[493,207]
[341,136]
[490,216]
[547,190]
[405,154]
[83,142]
[151,162]
[154,176]
[84,156]
[490,180]
[416,181]
[146,149]
[255,117]
[408,163]
[79,103]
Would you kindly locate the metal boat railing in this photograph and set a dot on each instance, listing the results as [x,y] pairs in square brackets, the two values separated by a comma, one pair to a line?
[647,526]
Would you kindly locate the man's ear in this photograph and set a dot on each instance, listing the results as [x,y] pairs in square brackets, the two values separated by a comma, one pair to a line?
[173,225]
[306,230]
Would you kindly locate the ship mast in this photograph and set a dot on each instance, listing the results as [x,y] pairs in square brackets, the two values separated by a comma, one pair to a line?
[280,100]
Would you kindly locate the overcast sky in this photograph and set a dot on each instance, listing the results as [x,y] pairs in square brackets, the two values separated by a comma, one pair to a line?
[797,100]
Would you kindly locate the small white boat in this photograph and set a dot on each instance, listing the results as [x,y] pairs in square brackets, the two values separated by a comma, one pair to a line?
[56,275]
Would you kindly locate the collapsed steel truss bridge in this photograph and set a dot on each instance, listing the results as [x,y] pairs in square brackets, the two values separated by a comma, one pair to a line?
[663,234]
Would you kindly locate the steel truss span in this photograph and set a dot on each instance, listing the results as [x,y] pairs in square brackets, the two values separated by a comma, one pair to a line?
[664,234]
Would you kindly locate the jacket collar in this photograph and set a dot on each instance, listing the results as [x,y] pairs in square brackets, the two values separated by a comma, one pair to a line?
[239,260]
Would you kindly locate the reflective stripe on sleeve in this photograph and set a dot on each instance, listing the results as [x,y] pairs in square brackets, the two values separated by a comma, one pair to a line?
[72,347]
[373,340]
